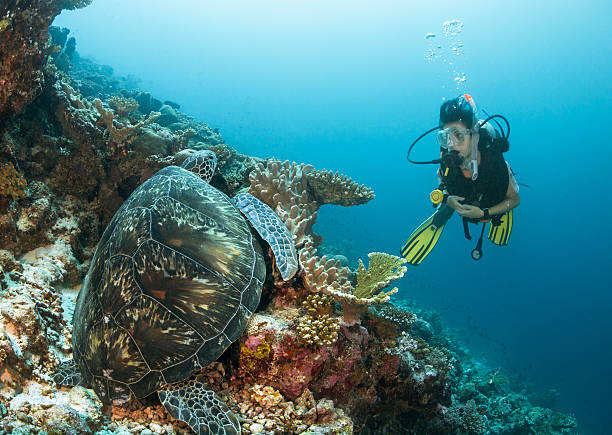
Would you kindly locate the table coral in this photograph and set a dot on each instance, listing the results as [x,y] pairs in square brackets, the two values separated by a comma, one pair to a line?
[297,191]
[330,188]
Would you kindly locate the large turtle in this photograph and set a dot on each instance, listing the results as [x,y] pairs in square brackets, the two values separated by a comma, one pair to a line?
[172,283]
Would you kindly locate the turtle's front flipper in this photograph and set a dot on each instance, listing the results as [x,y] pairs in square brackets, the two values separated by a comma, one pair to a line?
[68,374]
[196,404]
[272,229]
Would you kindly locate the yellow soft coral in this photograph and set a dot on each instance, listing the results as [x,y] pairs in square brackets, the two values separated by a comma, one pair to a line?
[249,358]
[12,182]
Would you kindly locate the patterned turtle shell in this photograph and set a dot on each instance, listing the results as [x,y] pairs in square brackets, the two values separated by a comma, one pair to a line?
[172,284]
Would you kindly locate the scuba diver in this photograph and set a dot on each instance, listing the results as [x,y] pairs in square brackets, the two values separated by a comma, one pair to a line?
[475,180]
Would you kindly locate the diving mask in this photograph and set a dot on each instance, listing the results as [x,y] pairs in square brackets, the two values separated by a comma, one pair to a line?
[452,137]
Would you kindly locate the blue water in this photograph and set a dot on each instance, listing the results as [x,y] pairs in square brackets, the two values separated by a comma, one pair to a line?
[348,87]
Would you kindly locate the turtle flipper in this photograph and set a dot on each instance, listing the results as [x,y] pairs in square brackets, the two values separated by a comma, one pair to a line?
[272,229]
[193,402]
[68,374]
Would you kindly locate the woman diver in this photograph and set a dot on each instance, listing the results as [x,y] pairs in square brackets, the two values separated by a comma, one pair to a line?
[475,180]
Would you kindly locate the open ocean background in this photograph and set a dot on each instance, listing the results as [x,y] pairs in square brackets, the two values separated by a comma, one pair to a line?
[348,85]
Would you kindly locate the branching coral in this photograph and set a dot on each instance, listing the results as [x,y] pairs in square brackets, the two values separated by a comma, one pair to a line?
[383,269]
[327,276]
[322,330]
[321,274]
[12,182]
[121,105]
[319,303]
[121,135]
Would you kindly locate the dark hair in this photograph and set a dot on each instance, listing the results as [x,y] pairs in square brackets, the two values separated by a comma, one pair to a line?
[458,109]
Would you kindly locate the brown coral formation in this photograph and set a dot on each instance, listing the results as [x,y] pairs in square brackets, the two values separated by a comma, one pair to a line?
[12,182]
[122,135]
[297,191]
[330,188]
[23,41]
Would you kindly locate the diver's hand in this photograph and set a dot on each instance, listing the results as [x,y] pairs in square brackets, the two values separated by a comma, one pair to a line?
[470,211]
[453,202]
[465,210]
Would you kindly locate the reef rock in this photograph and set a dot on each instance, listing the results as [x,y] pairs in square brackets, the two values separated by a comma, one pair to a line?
[23,50]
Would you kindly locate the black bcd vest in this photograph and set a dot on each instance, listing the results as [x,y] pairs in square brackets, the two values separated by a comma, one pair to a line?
[491,186]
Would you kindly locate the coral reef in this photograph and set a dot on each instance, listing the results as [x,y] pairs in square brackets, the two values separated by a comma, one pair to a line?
[321,274]
[121,135]
[23,41]
[301,366]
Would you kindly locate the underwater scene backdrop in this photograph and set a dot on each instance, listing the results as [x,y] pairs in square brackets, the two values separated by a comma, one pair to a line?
[348,86]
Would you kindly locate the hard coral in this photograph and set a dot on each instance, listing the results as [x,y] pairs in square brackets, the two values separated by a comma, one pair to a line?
[322,331]
[12,182]
[297,191]
[383,269]
[330,188]
[265,396]
[321,274]
[122,105]
[327,276]
[319,303]
[121,135]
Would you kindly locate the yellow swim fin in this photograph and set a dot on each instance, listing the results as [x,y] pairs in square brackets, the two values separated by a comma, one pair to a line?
[425,237]
[499,234]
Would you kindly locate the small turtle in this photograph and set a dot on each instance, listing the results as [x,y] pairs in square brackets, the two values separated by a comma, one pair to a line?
[173,281]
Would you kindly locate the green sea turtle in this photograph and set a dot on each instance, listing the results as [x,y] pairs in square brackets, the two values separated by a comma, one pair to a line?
[173,281]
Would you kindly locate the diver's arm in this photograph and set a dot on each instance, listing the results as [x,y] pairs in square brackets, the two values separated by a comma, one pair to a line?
[511,201]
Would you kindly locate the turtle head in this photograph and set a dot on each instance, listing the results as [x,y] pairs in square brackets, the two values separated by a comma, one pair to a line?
[202,163]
